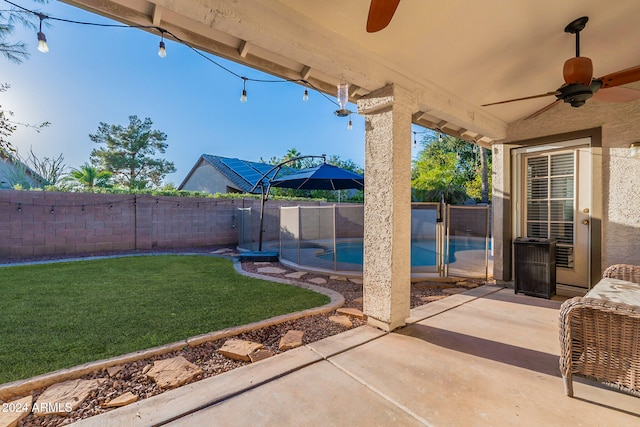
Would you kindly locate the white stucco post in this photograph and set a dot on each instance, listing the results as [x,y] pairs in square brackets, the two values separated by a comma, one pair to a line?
[387,207]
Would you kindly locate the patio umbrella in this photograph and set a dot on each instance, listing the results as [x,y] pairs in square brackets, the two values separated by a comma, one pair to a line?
[323,177]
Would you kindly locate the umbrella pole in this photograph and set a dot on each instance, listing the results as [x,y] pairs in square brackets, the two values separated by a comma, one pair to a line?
[262,200]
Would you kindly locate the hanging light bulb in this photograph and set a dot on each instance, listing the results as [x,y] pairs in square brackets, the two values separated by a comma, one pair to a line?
[439,136]
[42,40]
[243,97]
[305,95]
[162,51]
[350,125]
[415,143]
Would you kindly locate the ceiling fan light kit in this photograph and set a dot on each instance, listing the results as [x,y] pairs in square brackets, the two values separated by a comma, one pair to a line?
[579,83]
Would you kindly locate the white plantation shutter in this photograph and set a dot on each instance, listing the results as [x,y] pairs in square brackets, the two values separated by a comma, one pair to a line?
[550,202]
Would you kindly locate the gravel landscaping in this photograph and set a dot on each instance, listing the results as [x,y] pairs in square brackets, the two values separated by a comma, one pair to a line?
[132,377]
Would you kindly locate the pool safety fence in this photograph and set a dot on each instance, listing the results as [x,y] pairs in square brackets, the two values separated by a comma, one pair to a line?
[446,240]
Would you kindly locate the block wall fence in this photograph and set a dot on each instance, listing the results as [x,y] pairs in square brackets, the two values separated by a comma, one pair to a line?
[52,223]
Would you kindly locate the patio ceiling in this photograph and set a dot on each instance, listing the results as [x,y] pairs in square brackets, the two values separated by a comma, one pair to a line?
[454,55]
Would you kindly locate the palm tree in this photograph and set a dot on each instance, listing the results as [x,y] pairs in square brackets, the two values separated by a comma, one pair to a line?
[90,178]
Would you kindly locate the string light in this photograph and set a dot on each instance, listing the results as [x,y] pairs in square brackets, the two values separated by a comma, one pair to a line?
[350,125]
[439,136]
[243,97]
[162,50]
[42,40]
[43,47]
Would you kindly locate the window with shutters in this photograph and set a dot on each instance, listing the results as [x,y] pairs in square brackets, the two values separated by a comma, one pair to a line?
[550,202]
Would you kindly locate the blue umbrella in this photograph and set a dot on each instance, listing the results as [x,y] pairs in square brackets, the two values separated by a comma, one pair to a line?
[323,177]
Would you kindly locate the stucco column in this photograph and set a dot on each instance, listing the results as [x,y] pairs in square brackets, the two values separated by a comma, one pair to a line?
[387,206]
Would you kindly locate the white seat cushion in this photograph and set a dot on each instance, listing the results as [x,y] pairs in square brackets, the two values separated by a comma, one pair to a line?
[616,290]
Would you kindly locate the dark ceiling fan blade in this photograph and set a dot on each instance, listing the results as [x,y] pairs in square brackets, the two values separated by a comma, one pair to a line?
[542,95]
[616,94]
[623,77]
[380,14]
[542,110]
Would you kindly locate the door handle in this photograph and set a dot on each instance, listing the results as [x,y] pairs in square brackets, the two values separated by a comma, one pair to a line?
[585,221]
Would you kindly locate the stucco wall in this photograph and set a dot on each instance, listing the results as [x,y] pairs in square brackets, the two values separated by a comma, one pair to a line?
[206,178]
[619,184]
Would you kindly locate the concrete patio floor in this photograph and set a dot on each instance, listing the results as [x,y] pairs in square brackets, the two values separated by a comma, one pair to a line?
[487,357]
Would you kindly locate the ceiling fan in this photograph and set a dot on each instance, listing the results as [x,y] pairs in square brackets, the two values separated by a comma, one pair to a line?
[380,14]
[579,83]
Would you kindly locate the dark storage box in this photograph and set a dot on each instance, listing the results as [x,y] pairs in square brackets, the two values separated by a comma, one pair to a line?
[535,266]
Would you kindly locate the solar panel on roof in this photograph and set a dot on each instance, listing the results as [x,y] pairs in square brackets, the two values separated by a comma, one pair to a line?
[244,170]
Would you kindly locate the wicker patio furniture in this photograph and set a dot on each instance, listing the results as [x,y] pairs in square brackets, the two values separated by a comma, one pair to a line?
[600,332]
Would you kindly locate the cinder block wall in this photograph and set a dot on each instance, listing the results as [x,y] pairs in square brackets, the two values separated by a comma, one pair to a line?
[50,223]
[34,223]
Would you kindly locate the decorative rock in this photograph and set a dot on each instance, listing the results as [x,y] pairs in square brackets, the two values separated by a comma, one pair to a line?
[342,278]
[359,300]
[222,251]
[146,368]
[318,281]
[351,312]
[113,370]
[239,349]
[291,339]
[342,320]
[65,397]
[122,400]
[271,270]
[432,298]
[467,285]
[170,373]
[261,354]
[356,281]
[453,291]
[296,275]
[14,411]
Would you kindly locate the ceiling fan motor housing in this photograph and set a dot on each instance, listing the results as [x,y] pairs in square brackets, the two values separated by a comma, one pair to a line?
[575,94]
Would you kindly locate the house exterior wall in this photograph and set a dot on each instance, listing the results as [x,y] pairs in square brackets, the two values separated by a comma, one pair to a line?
[208,179]
[616,176]
[12,173]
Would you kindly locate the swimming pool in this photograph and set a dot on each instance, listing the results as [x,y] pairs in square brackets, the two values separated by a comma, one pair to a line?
[423,252]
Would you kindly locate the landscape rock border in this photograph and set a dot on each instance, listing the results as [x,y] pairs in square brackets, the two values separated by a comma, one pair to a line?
[20,387]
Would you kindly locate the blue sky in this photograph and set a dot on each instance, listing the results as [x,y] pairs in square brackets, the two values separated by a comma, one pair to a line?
[92,75]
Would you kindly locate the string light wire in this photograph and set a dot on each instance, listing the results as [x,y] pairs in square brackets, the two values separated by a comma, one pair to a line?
[163,32]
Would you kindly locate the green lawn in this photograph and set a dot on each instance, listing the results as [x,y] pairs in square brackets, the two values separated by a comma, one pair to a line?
[58,315]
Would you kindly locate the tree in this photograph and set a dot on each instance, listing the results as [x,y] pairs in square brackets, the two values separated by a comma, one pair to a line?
[129,153]
[16,51]
[51,169]
[449,166]
[8,125]
[90,178]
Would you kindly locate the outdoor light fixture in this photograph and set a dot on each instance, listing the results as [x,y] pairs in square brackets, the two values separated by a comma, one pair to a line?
[243,97]
[634,149]
[305,95]
[42,40]
[162,51]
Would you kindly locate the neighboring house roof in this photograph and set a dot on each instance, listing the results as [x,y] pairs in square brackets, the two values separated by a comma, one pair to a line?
[13,171]
[243,173]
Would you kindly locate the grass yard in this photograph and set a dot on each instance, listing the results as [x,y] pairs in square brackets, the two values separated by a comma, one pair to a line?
[59,315]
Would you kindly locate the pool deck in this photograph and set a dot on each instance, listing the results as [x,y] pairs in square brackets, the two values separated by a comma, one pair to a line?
[487,357]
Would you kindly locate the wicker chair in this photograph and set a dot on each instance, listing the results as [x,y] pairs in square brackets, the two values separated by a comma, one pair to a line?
[600,339]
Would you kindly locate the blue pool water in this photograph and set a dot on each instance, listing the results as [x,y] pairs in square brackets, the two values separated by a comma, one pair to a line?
[423,252]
